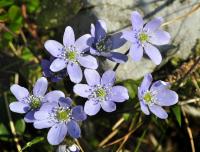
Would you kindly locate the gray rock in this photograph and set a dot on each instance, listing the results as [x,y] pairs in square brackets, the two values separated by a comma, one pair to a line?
[116,14]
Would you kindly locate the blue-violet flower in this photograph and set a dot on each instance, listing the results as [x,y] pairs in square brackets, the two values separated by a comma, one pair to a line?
[30,103]
[153,96]
[100,92]
[71,55]
[144,36]
[61,118]
[102,44]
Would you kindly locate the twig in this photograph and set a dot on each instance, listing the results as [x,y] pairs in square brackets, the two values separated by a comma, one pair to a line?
[14,50]
[77,142]
[117,64]
[194,9]
[127,137]
[189,71]
[12,126]
[189,131]
[122,138]
[118,123]
[181,103]
[110,136]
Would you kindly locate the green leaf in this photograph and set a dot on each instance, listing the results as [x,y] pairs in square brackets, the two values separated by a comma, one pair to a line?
[20,126]
[14,13]
[177,112]
[32,142]
[8,36]
[4,3]
[3,17]
[27,54]
[132,88]
[3,130]
[126,116]
[33,5]
[4,133]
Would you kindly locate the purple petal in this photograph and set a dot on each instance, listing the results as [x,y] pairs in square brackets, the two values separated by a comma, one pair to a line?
[119,94]
[91,107]
[82,90]
[108,106]
[146,82]
[117,40]
[159,85]
[45,67]
[73,129]
[53,96]
[19,92]
[136,20]
[78,113]
[48,106]
[69,37]
[144,108]
[88,61]
[118,57]
[65,102]
[29,117]
[108,78]
[100,29]
[40,87]
[158,111]
[136,52]
[153,54]
[41,124]
[154,24]
[129,36]
[92,77]
[75,72]
[53,47]
[94,51]
[166,97]
[58,65]
[81,43]
[19,107]
[41,115]
[160,37]
[92,30]
[57,133]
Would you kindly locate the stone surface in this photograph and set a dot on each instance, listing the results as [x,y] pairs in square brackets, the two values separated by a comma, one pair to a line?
[116,14]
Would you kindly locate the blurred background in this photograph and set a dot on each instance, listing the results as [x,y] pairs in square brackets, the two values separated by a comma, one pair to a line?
[26,24]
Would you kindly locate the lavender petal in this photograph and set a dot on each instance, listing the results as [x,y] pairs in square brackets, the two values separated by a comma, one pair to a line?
[92,77]
[53,47]
[69,37]
[57,133]
[75,72]
[19,92]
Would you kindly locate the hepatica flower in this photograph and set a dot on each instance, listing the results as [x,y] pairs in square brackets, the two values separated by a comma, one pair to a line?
[61,118]
[54,76]
[100,92]
[144,36]
[102,44]
[153,96]
[71,55]
[29,103]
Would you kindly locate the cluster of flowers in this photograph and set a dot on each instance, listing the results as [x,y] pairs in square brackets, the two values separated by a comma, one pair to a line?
[53,110]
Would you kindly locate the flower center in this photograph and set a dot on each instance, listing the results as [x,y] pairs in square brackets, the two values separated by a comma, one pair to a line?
[35,102]
[101,93]
[100,45]
[63,115]
[71,55]
[148,97]
[143,37]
